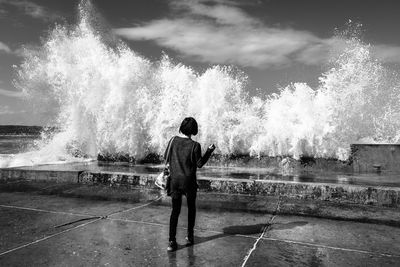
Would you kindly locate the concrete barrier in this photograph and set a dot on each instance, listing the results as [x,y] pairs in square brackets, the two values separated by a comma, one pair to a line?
[376,204]
[38,175]
[338,193]
[375,157]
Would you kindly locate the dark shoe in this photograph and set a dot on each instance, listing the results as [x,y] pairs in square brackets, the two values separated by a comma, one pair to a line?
[189,241]
[172,246]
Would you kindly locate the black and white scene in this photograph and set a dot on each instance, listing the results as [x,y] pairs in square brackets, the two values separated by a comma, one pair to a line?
[199,133]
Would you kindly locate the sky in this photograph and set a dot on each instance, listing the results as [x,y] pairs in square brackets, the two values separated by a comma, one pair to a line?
[275,42]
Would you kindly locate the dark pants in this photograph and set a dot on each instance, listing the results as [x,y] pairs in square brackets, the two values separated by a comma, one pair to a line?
[176,210]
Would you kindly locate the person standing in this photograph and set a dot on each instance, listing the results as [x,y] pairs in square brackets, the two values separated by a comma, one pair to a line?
[184,158]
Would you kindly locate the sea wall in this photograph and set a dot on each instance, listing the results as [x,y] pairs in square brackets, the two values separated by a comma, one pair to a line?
[374,204]
[338,193]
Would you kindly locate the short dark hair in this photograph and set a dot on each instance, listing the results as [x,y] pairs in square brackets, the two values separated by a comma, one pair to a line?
[189,126]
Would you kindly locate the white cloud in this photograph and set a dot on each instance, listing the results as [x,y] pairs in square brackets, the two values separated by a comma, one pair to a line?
[223,33]
[4,48]
[9,93]
[31,9]
[223,12]
[5,110]
[21,51]
[220,32]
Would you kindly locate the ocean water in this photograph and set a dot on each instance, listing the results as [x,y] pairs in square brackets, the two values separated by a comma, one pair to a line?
[24,150]
[107,99]
[14,144]
[21,146]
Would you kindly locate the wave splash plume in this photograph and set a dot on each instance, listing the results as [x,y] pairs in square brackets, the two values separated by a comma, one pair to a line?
[110,100]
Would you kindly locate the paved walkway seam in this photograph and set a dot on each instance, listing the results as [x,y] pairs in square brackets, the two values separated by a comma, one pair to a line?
[330,247]
[246,258]
[70,229]
[198,229]
[266,228]
[137,207]
[47,237]
[48,211]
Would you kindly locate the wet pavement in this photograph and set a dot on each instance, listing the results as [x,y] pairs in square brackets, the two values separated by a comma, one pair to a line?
[42,230]
[389,179]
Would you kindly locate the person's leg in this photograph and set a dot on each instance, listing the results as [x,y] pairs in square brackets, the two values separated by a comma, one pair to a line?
[191,203]
[176,210]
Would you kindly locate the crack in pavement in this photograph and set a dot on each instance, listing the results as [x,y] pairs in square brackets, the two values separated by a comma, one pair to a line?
[47,237]
[261,237]
[267,227]
[94,219]
[47,211]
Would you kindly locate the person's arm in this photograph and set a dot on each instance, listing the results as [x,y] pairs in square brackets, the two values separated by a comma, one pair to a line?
[201,160]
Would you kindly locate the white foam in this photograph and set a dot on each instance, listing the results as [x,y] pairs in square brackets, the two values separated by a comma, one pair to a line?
[111,100]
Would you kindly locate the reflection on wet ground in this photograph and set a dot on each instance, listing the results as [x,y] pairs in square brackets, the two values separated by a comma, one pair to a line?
[137,235]
[373,179]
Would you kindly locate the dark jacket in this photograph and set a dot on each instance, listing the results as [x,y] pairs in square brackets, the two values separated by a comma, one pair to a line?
[184,159]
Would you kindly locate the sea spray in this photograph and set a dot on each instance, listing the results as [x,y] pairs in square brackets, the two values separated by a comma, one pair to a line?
[110,100]
[356,101]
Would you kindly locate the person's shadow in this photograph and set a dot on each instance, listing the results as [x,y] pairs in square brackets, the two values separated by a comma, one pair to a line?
[228,231]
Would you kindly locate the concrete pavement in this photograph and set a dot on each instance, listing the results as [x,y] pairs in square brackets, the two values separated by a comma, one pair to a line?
[49,230]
